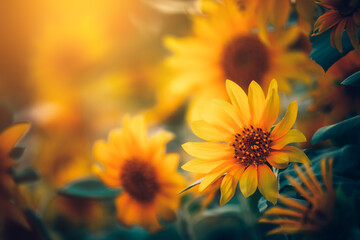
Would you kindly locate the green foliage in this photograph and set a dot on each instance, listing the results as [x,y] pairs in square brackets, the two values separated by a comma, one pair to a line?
[353,80]
[89,188]
[326,55]
[345,132]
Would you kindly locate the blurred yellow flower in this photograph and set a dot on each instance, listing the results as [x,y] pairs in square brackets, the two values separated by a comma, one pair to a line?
[309,217]
[242,143]
[147,175]
[275,12]
[342,15]
[239,53]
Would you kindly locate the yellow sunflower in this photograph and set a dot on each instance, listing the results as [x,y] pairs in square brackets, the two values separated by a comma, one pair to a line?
[242,143]
[141,168]
[342,15]
[315,214]
[225,45]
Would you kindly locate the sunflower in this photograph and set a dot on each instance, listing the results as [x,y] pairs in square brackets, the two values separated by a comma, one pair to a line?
[342,15]
[242,142]
[239,53]
[311,216]
[141,168]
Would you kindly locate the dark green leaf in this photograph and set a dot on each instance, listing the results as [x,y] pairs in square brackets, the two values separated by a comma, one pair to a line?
[16,152]
[343,132]
[326,55]
[353,80]
[89,188]
[28,175]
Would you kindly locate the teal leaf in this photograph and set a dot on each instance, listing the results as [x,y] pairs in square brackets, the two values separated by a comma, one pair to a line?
[89,188]
[353,80]
[326,55]
[28,175]
[347,131]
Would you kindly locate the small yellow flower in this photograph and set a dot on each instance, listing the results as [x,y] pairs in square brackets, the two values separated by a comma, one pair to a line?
[342,15]
[141,168]
[315,214]
[242,143]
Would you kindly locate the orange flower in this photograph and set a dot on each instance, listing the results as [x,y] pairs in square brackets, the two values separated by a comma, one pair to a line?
[147,175]
[242,143]
[310,217]
[342,15]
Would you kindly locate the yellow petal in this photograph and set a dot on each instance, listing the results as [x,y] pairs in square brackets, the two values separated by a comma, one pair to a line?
[287,122]
[214,175]
[229,183]
[268,185]
[10,136]
[280,13]
[296,155]
[279,160]
[292,136]
[272,106]
[228,111]
[351,30]
[201,165]
[208,150]
[215,114]
[249,181]
[171,162]
[283,212]
[227,190]
[101,151]
[256,102]
[209,132]
[336,35]
[292,203]
[239,99]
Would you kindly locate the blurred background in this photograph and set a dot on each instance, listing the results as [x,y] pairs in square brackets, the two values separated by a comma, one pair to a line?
[74,68]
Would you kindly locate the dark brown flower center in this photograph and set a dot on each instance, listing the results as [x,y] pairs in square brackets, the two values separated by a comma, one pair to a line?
[244,59]
[252,146]
[139,180]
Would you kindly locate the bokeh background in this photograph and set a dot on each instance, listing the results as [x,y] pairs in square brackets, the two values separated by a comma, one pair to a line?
[75,68]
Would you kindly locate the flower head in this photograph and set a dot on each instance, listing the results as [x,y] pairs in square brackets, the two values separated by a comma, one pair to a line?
[147,175]
[203,60]
[242,143]
[342,15]
[315,214]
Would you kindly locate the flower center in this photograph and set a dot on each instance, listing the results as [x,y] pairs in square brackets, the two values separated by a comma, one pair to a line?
[252,146]
[139,180]
[244,59]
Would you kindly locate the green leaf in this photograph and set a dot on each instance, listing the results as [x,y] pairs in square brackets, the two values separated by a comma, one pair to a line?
[89,188]
[28,175]
[353,80]
[326,55]
[340,133]
[16,152]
